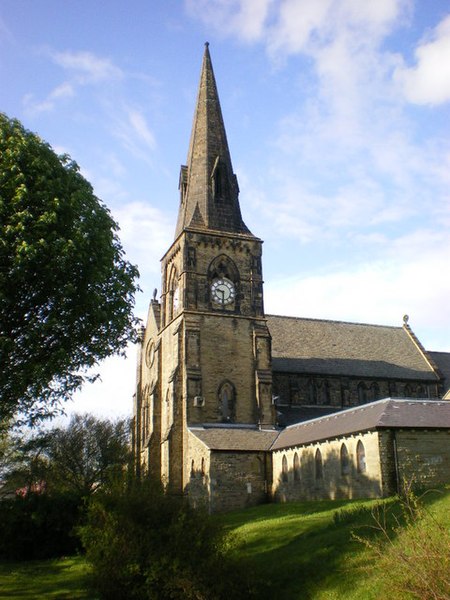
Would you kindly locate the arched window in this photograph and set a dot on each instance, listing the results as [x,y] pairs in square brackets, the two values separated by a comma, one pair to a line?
[312,391]
[375,391]
[318,464]
[392,389]
[296,467]
[203,467]
[227,402]
[345,462]
[362,392]
[220,180]
[420,392]
[284,469]
[408,392]
[192,468]
[360,457]
[173,295]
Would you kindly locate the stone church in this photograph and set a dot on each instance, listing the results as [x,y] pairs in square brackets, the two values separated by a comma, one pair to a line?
[234,407]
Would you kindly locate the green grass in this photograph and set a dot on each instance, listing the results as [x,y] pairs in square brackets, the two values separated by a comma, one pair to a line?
[299,551]
[60,579]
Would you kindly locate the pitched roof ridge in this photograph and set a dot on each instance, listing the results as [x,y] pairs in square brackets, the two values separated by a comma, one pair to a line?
[312,319]
[341,412]
[427,357]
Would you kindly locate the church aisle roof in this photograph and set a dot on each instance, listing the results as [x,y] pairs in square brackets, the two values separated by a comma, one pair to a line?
[235,439]
[314,346]
[387,413]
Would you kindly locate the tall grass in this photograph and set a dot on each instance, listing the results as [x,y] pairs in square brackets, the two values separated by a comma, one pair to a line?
[414,548]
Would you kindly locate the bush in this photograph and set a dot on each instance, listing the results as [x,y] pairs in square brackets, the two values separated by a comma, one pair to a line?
[37,526]
[415,551]
[144,544]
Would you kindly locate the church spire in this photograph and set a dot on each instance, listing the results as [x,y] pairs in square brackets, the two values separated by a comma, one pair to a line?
[209,188]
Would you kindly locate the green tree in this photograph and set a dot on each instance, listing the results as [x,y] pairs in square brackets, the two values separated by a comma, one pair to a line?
[66,290]
[78,458]
[23,463]
[87,454]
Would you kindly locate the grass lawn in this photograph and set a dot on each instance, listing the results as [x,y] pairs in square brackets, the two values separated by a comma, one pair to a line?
[64,578]
[298,551]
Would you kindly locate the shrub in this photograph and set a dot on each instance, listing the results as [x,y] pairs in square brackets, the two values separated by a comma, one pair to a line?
[415,551]
[142,544]
[36,526]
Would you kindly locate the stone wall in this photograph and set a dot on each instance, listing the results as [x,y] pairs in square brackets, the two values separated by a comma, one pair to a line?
[339,477]
[226,350]
[389,476]
[197,467]
[238,479]
[423,456]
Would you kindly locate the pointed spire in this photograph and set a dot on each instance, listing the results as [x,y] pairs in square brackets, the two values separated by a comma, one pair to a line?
[208,186]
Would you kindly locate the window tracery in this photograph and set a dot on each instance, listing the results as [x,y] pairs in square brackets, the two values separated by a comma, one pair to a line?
[227,402]
[360,457]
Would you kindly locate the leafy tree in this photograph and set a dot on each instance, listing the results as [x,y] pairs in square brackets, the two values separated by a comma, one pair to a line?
[78,458]
[23,464]
[66,291]
[45,480]
[88,453]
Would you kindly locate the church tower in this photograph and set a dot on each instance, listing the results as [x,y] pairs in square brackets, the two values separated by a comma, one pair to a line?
[205,356]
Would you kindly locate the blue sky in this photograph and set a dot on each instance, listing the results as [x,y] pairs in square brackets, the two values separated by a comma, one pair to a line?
[338,121]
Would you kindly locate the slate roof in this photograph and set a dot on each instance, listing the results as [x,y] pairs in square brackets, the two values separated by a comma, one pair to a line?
[295,413]
[314,346]
[442,361]
[235,439]
[388,413]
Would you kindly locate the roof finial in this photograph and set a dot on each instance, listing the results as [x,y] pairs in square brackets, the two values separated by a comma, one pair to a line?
[206,44]
[405,319]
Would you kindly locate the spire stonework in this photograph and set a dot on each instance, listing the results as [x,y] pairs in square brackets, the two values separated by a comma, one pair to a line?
[208,186]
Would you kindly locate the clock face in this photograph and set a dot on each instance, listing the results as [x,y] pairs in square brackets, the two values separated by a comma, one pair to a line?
[222,291]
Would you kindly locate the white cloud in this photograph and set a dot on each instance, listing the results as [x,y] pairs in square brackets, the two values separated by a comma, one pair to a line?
[145,232]
[380,292]
[141,129]
[111,396]
[292,26]
[428,82]
[130,126]
[32,106]
[87,67]
[244,18]
[65,90]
